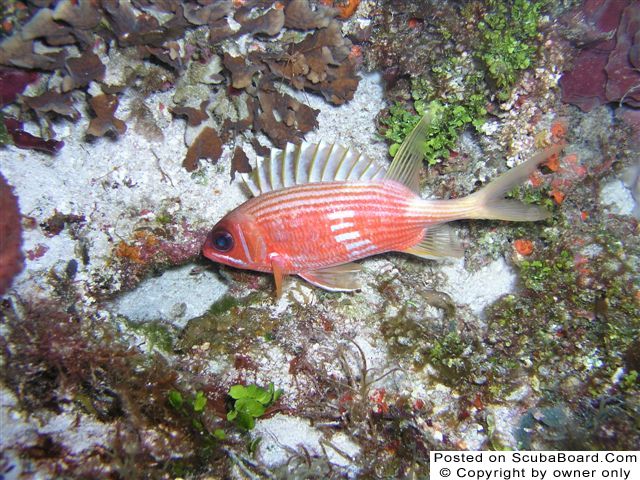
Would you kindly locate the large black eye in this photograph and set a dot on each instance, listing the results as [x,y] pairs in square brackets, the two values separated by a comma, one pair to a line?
[222,240]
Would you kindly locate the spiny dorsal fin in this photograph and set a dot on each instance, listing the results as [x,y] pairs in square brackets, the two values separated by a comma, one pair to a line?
[439,241]
[310,163]
[407,163]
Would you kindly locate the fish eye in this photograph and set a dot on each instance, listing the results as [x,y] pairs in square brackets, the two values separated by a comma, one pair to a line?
[222,240]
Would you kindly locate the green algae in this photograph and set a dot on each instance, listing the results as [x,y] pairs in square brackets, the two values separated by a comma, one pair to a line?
[460,86]
[573,324]
[158,334]
[508,32]
[231,326]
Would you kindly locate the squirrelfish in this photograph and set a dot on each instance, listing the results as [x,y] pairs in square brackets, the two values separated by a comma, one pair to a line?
[316,208]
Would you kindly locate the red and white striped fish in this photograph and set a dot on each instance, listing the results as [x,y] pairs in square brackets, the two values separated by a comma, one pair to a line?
[319,207]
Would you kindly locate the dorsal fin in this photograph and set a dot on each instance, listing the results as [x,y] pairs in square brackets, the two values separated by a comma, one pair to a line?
[407,163]
[310,163]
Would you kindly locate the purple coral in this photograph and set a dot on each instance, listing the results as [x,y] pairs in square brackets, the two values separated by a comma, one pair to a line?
[607,69]
[11,259]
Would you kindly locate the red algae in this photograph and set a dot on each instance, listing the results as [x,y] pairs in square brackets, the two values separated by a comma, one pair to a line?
[11,258]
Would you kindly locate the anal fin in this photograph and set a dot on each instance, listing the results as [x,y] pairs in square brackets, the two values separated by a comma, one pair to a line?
[341,278]
[439,241]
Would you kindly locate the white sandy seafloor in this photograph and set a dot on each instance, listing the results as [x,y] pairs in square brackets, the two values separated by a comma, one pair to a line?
[115,184]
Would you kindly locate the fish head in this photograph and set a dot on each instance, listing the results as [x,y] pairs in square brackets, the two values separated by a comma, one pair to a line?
[236,240]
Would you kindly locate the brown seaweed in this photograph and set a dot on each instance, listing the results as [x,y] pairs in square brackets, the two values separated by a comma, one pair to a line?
[300,16]
[206,145]
[270,23]
[104,106]
[85,69]
[27,141]
[195,116]
[241,72]
[283,118]
[51,101]
[239,162]
[206,14]
[81,14]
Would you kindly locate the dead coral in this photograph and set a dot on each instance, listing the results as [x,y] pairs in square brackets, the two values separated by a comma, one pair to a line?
[104,106]
[11,258]
[150,249]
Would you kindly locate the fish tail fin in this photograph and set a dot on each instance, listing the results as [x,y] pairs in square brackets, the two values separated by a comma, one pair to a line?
[489,202]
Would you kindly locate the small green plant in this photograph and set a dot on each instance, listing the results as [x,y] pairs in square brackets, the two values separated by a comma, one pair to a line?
[448,121]
[537,274]
[507,47]
[251,402]
[454,94]
[193,409]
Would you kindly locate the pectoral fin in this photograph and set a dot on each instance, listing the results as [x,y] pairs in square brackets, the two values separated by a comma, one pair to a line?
[277,266]
[439,241]
[341,278]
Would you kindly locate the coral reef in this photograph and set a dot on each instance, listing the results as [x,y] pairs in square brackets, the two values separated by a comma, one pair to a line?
[125,355]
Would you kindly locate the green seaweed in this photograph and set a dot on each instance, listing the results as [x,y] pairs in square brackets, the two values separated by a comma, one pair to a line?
[157,333]
[449,119]
[456,88]
[251,402]
[508,32]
